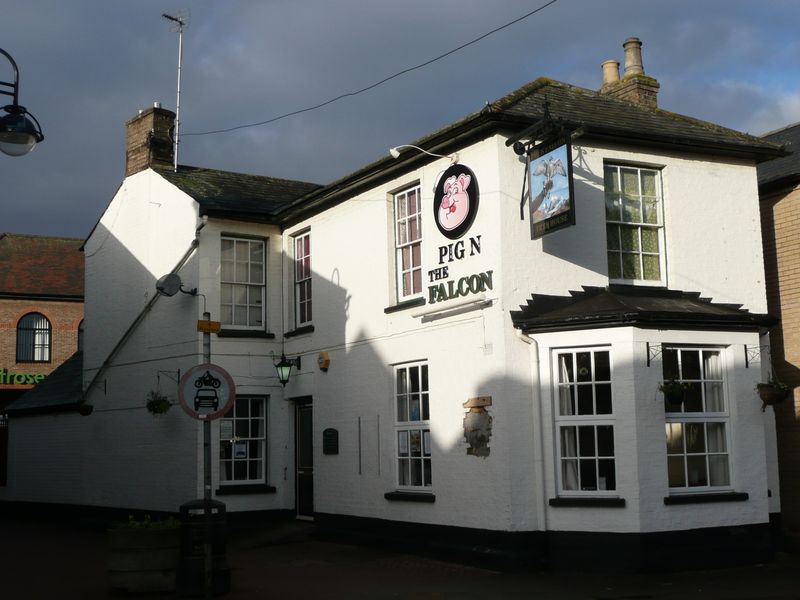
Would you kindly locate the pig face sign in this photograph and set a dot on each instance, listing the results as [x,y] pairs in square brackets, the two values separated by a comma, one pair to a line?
[455,201]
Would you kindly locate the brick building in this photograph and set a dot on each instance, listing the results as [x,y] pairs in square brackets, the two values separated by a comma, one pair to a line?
[779,189]
[41,310]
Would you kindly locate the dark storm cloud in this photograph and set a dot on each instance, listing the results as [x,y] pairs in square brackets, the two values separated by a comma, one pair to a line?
[87,66]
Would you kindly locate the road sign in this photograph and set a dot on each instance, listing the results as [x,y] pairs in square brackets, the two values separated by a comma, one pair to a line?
[206,392]
[208,326]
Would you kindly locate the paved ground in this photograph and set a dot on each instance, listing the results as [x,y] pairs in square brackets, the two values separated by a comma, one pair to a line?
[43,560]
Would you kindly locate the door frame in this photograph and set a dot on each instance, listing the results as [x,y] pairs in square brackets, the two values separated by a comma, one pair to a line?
[302,403]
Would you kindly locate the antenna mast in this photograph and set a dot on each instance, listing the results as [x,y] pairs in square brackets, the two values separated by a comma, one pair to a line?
[180,23]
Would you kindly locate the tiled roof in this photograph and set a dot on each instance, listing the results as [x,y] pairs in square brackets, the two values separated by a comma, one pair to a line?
[602,117]
[224,193]
[266,199]
[60,390]
[604,114]
[787,167]
[40,266]
[620,305]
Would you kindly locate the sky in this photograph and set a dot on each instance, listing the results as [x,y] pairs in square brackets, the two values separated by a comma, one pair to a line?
[88,66]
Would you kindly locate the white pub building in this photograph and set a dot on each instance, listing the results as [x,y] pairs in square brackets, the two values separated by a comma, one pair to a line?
[536,338]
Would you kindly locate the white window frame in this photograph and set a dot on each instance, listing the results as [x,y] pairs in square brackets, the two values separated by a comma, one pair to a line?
[614,226]
[254,308]
[237,442]
[562,385]
[676,415]
[404,245]
[303,314]
[411,389]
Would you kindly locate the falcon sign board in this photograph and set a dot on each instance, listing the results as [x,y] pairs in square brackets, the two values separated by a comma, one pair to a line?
[551,201]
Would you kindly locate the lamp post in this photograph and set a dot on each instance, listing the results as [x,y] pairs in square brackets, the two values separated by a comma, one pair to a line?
[19,129]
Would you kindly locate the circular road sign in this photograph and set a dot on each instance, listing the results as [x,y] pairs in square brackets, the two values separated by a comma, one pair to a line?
[206,392]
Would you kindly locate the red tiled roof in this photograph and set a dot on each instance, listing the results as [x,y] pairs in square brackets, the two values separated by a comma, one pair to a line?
[33,265]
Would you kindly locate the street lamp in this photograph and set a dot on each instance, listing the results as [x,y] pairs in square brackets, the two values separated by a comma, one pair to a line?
[19,129]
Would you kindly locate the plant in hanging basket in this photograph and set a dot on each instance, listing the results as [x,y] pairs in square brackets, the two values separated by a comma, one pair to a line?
[157,403]
[674,391]
[772,392]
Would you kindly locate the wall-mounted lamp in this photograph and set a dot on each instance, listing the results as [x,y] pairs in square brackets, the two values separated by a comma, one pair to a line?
[18,133]
[284,368]
[395,152]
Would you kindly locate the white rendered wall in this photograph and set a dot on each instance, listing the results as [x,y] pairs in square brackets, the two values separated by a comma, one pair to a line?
[711,224]
[639,432]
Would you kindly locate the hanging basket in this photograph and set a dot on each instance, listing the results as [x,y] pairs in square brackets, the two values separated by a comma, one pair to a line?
[157,404]
[772,393]
[674,392]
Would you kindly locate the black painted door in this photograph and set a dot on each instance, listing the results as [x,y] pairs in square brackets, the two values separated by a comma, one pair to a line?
[304,459]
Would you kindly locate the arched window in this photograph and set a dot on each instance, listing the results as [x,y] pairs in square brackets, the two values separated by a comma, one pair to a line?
[80,336]
[33,338]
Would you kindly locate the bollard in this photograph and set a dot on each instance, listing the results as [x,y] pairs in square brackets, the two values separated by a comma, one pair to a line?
[190,579]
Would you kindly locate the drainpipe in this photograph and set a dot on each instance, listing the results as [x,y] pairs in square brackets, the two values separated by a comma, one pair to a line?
[538,431]
[137,321]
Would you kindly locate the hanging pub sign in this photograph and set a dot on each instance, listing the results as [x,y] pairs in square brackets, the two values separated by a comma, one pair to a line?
[455,201]
[551,200]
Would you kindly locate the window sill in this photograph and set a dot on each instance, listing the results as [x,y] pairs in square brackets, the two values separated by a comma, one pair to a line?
[414,302]
[299,331]
[587,502]
[706,498]
[410,496]
[245,333]
[259,488]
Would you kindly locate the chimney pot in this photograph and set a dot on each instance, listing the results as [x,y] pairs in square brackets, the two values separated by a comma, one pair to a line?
[633,57]
[610,73]
[156,104]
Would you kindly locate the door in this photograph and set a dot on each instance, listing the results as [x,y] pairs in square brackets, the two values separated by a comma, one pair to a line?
[304,460]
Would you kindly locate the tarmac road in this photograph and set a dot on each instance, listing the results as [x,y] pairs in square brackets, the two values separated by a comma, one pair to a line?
[41,560]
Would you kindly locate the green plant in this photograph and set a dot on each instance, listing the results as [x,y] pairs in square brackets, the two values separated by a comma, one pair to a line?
[157,403]
[772,392]
[674,391]
[773,384]
[673,387]
[148,523]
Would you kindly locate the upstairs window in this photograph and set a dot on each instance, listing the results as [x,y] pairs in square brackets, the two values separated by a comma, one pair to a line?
[408,242]
[302,279]
[242,283]
[34,338]
[634,229]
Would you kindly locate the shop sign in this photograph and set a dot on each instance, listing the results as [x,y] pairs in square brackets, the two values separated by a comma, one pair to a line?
[455,201]
[11,378]
[445,288]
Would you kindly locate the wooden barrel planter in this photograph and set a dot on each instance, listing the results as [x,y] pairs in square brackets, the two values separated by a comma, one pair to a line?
[143,560]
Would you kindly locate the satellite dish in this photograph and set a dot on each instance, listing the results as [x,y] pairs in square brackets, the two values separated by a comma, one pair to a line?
[169,284]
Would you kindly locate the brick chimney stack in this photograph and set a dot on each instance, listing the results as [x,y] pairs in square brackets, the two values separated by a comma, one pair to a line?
[149,140]
[636,86]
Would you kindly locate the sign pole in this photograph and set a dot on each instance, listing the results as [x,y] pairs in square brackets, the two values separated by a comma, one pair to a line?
[207,392]
[208,545]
